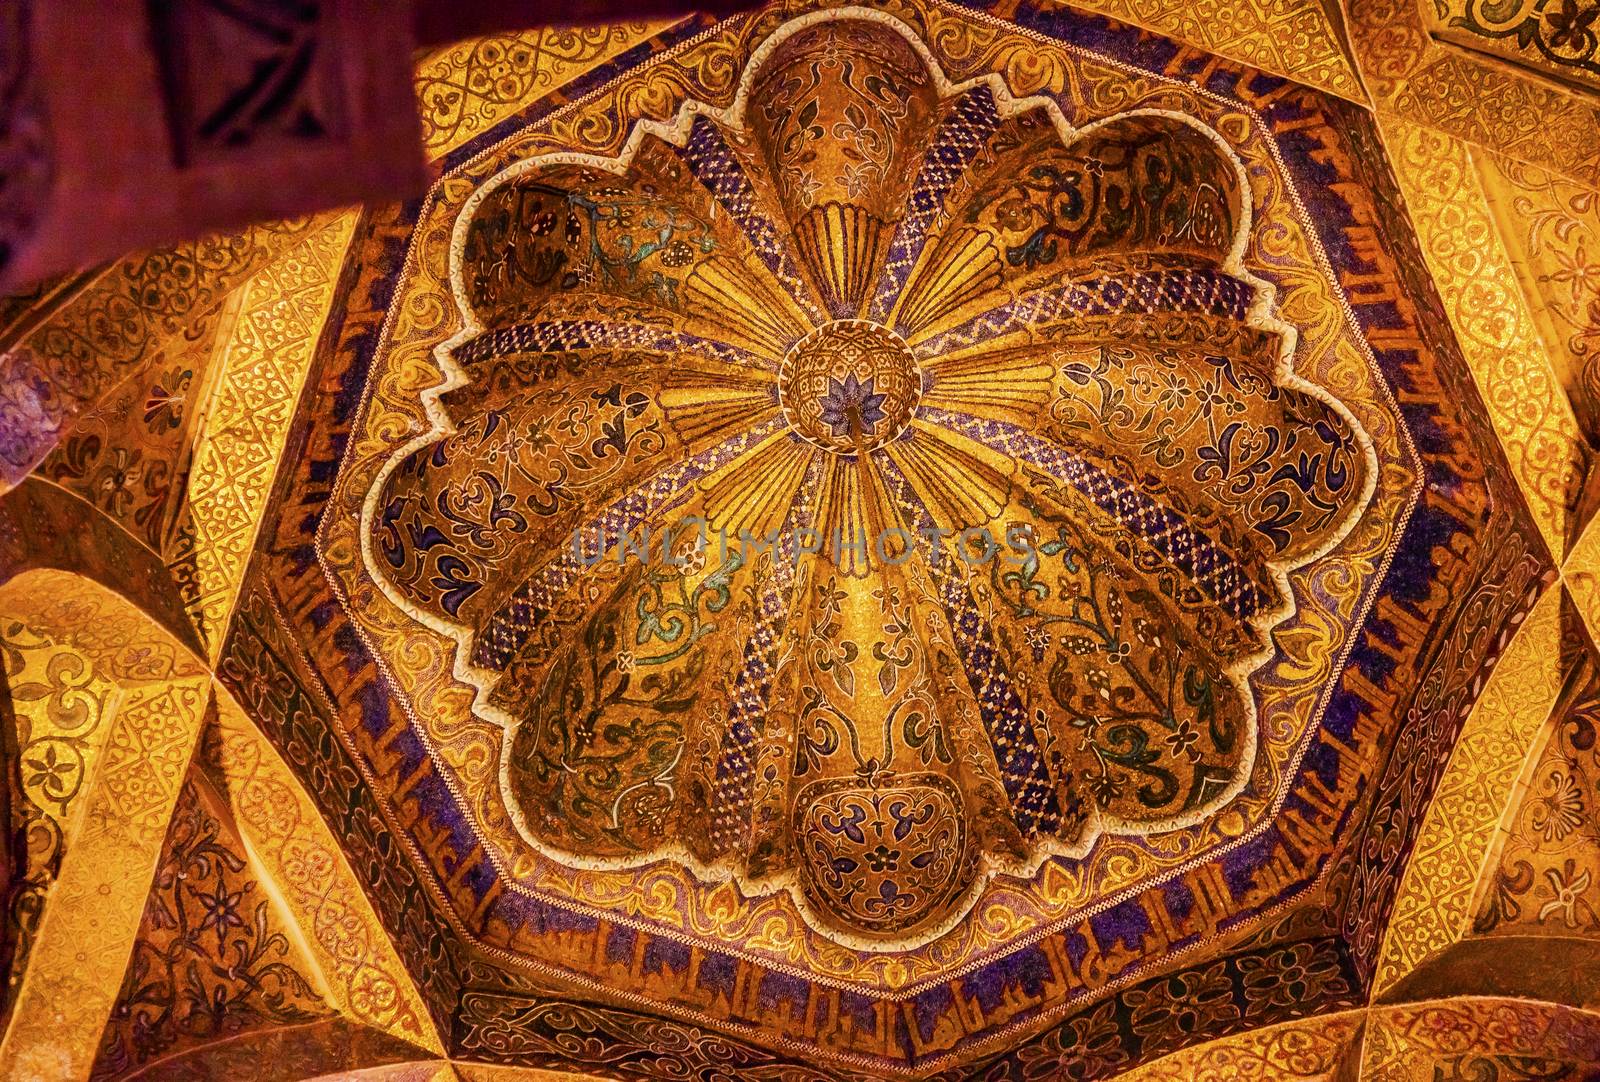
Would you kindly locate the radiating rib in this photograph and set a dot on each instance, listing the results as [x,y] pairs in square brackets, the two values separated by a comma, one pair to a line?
[749,720]
[755,493]
[1011,383]
[1170,289]
[1202,561]
[715,164]
[960,137]
[958,480]
[842,244]
[508,627]
[1034,796]
[563,335]
[747,305]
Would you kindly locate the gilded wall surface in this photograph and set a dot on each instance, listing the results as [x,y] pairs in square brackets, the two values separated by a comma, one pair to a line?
[909,540]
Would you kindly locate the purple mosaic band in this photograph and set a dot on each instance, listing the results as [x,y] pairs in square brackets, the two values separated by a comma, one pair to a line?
[1202,560]
[963,134]
[563,335]
[747,715]
[1017,749]
[1173,289]
[509,627]
[713,163]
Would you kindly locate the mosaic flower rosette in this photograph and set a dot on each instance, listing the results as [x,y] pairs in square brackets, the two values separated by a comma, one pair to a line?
[843,275]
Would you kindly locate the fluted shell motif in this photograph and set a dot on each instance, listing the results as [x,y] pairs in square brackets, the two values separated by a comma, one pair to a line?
[862,302]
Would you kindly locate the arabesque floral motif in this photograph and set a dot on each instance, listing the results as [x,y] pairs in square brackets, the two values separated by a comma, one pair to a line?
[210,962]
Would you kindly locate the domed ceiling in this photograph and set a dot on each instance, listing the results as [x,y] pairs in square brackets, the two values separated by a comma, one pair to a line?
[981,463]
[918,540]
[873,508]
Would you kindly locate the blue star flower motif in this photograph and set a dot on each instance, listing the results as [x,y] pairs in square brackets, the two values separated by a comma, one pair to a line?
[852,405]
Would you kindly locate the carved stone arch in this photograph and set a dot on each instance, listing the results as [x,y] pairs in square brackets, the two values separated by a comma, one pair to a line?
[43,526]
[129,761]
[108,704]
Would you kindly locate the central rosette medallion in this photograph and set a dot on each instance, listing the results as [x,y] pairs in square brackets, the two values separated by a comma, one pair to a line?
[849,386]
